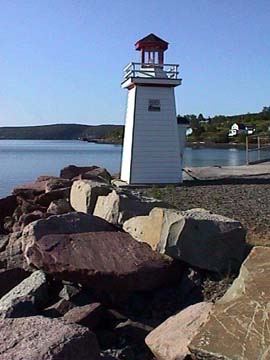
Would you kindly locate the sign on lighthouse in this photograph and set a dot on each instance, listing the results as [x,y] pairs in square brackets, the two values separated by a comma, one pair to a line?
[151,150]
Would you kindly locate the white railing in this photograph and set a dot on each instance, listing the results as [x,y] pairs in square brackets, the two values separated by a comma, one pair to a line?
[137,70]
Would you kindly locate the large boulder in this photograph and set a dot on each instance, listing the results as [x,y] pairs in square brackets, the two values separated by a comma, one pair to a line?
[34,287]
[238,327]
[7,207]
[31,189]
[40,338]
[170,340]
[63,224]
[107,261]
[85,172]
[119,206]
[202,239]
[84,194]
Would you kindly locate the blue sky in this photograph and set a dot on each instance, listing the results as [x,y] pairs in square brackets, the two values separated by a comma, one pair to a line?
[61,61]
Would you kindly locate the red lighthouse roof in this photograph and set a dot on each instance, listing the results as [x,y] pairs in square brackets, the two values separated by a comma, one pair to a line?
[151,41]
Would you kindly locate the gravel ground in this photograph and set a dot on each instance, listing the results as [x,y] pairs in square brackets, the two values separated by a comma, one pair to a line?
[248,203]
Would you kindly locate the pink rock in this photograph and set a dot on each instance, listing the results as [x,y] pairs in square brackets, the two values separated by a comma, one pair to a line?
[105,260]
[170,340]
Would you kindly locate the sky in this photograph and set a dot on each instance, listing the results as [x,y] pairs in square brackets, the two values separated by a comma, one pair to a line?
[61,61]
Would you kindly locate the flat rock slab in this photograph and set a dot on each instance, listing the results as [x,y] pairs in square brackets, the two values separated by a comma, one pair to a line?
[260,171]
[170,340]
[239,326]
[64,224]
[103,260]
[39,338]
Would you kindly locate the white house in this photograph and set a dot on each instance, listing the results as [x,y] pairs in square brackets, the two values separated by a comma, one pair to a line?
[239,128]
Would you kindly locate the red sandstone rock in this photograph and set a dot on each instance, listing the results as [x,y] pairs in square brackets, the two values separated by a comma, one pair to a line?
[102,260]
[88,315]
[40,338]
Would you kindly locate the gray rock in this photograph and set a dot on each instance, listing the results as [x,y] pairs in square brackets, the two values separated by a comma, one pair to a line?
[34,286]
[84,194]
[119,206]
[202,239]
[40,338]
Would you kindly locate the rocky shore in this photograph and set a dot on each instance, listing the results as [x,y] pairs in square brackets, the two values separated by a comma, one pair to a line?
[91,271]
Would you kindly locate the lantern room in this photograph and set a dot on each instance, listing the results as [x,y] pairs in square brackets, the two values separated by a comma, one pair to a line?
[152,50]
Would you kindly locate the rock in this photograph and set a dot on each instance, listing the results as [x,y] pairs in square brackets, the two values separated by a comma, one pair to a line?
[46,198]
[154,228]
[69,291]
[93,172]
[109,261]
[87,315]
[40,338]
[26,219]
[7,207]
[12,257]
[238,327]
[58,309]
[57,183]
[170,340]
[9,278]
[34,286]
[84,194]
[98,174]
[32,188]
[20,307]
[119,206]
[67,223]
[58,207]
[202,239]
[3,242]
[132,331]
[70,223]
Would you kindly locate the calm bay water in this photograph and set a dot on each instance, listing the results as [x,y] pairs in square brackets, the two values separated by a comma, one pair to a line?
[24,160]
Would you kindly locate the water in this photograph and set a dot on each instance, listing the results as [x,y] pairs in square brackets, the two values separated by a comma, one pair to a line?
[24,160]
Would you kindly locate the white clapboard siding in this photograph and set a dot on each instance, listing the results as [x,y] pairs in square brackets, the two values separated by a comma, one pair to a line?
[151,151]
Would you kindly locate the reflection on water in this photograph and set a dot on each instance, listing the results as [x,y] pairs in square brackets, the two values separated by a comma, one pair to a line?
[24,160]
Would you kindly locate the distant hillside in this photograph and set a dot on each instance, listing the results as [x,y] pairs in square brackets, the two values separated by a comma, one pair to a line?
[58,132]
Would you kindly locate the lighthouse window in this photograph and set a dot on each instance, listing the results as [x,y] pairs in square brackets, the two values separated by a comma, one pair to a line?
[154,105]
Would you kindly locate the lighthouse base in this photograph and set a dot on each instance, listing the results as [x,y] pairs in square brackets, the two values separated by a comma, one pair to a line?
[151,150]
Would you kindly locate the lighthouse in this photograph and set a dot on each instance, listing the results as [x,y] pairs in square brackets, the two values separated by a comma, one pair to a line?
[151,149]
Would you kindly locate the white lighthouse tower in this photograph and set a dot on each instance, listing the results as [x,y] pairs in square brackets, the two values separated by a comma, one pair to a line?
[151,150]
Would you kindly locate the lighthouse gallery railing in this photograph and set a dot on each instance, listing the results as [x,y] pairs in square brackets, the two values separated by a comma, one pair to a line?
[133,70]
